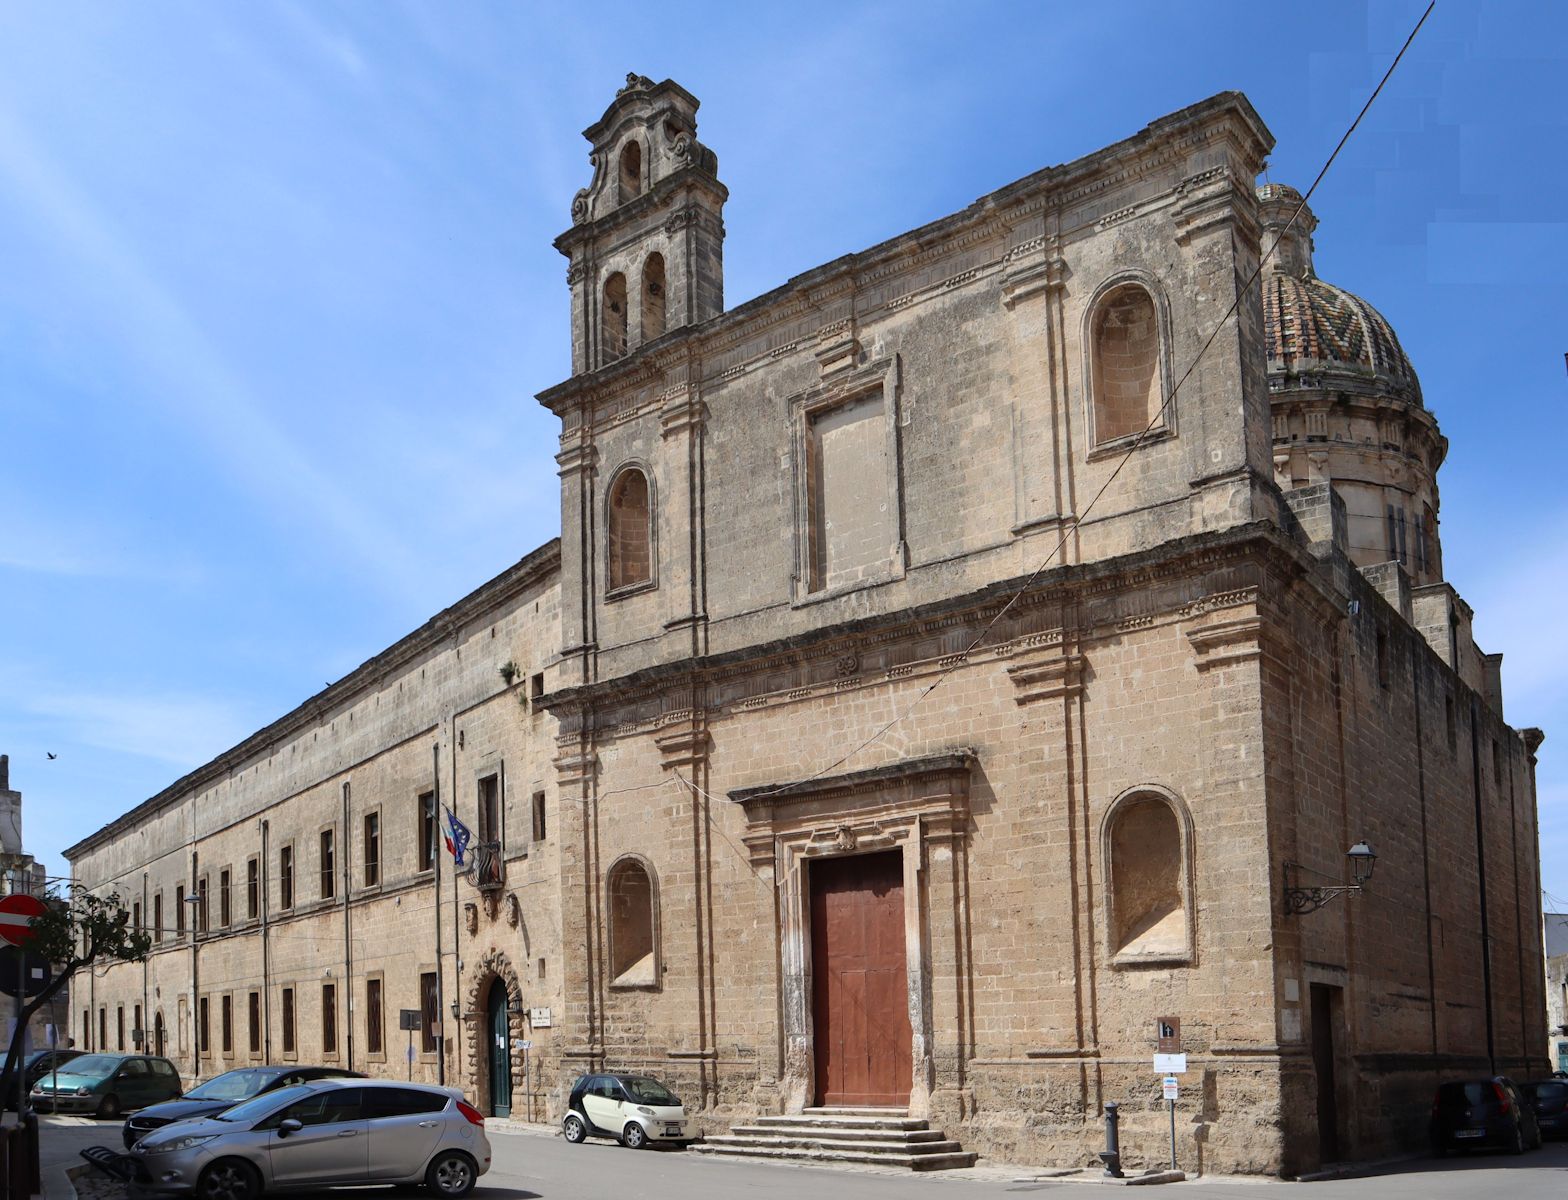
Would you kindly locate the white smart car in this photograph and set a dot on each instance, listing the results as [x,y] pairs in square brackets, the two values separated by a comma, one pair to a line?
[636,1110]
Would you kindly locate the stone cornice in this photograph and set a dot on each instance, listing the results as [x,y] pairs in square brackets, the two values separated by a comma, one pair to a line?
[757,800]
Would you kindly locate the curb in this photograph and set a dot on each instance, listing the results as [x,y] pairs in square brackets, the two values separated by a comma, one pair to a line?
[1354,1170]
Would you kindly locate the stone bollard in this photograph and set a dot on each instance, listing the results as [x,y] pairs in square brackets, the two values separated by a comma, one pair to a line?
[1111,1156]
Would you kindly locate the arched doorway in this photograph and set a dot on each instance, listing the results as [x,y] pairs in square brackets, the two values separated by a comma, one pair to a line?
[499,1027]
[157,1033]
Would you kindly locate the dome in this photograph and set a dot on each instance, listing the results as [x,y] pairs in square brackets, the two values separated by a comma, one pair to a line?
[1312,327]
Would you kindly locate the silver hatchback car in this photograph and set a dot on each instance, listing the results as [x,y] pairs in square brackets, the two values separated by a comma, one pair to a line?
[326,1133]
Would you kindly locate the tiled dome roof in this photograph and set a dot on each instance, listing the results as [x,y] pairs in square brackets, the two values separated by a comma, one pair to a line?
[1313,327]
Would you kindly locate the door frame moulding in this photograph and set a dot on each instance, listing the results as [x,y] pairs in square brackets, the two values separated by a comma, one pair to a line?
[917,806]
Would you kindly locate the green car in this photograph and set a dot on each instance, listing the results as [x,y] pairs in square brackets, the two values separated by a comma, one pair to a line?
[107,1084]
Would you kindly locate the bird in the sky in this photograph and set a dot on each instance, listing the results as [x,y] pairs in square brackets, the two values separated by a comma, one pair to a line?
[50,753]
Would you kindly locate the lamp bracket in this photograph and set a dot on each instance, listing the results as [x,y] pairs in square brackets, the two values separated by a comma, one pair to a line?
[1300,900]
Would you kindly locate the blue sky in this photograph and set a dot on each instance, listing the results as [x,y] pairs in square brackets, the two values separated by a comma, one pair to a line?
[278,289]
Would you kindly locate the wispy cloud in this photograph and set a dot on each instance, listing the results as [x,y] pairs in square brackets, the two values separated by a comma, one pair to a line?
[180,730]
[198,389]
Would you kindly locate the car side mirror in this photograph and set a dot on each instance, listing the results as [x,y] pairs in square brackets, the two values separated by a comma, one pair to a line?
[289,1125]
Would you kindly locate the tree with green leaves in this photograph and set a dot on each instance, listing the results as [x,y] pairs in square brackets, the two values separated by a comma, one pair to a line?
[76,929]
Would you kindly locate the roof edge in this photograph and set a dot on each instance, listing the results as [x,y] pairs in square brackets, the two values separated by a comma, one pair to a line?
[525,571]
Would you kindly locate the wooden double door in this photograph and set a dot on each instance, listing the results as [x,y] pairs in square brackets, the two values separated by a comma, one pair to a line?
[860,980]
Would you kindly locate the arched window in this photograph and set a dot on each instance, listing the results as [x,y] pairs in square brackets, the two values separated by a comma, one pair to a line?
[653,297]
[614,339]
[631,530]
[633,920]
[1146,853]
[631,172]
[1125,363]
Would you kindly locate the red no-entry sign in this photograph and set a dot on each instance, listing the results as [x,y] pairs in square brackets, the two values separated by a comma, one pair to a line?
[16,917]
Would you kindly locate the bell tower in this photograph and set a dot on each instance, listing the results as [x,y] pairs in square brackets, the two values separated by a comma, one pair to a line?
[646,246]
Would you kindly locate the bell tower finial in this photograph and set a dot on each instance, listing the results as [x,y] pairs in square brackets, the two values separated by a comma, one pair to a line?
[646,245]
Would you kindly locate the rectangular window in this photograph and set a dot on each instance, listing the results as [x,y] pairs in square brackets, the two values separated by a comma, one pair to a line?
[539,825]
[255,1022]
[427,831]
[225,912]
[430,1012]
[252,888]
[327,862]
[536,687]
[103,1029]
[372,849]
[157,917]
[203,1027]
[848,520]
[489,816]
[329,1018]
[138,1034]
[201,905]
[119,1027]
[226,1018]
[286,877]
[179,910]
[373,1016]
[136,916]
[288,1020]
[87,1029]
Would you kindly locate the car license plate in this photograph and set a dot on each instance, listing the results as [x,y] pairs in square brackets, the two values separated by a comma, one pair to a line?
[1458,1133]
[672,1131]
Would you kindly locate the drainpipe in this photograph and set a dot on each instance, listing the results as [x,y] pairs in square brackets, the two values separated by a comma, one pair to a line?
[435,802]
[348,942]
[1480,869]
[195,927]
[146,1008]
[266,965]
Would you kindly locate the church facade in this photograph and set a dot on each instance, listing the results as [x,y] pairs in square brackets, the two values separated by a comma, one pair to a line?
[954,662]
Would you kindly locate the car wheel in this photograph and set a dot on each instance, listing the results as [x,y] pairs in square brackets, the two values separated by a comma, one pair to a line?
[451,1174]
[574,1129]
[229,1179]
[108,1107]
[635,1136]
[1517,1145]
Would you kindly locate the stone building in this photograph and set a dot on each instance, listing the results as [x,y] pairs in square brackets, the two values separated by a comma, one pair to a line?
[1556,931]
[938,680]
[21,872]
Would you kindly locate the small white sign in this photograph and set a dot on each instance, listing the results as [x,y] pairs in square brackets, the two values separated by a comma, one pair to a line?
[526,1044]
[1170,1064]
[1170,1091]
[539,1018]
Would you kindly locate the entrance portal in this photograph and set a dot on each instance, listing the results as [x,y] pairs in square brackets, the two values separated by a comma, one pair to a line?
[860,997]
[1325,1010]
[500,1029]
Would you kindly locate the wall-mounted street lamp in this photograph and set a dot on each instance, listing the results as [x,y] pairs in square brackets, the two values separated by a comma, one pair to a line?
[1300,900]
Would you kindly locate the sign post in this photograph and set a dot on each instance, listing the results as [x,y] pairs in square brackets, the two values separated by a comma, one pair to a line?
[409,1019]
[1169,1057]
[17,912]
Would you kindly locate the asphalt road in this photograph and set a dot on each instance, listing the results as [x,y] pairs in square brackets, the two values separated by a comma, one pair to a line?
[531,1166]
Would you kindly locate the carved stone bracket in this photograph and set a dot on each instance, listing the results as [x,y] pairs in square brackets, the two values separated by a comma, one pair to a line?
[1225,643]
[1033,278]
[683,747]
[1046,674]
[838,347]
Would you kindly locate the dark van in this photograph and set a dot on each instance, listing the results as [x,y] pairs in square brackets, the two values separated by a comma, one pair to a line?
[1472,1113]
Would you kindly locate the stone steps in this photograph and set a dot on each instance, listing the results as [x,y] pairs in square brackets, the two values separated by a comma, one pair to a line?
[880,1137]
